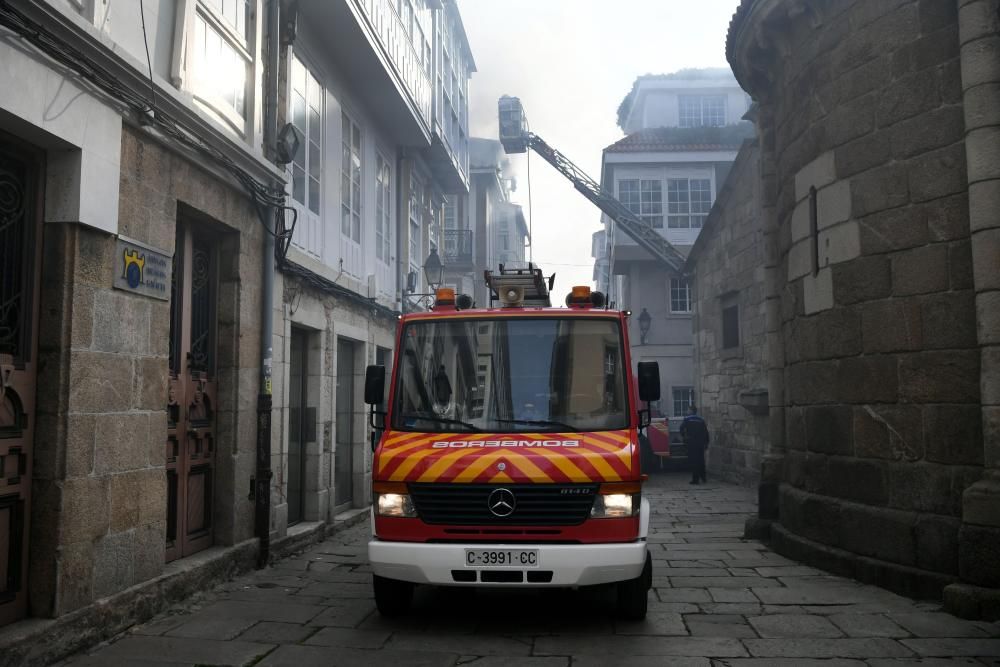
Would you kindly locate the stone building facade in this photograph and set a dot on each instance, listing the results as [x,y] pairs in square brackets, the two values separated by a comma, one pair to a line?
[683,131]
[730,346]
[133,262]
[384,141]
[135,196]
[879,182]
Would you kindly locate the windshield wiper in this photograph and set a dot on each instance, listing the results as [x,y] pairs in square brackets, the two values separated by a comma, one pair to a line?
[441,420]
[537,422]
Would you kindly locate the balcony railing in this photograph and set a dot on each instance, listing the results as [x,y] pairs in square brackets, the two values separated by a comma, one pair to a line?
[457,246]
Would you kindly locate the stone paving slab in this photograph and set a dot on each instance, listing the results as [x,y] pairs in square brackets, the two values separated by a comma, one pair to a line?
[718,601]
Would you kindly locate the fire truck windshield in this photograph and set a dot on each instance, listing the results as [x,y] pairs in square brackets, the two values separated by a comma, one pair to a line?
[510,375]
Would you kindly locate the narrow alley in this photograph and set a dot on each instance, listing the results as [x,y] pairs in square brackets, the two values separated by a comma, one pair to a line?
[718,600]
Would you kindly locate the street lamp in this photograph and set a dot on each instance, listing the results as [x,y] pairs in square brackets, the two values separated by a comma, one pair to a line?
[433,270]
[433,274]
[644,321]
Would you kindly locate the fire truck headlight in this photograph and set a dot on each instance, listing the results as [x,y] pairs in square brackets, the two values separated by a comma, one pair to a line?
[615,506]
[396,505]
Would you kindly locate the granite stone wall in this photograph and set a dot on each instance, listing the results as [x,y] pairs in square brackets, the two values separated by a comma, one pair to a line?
[99,490]
[874,336]
[731,383]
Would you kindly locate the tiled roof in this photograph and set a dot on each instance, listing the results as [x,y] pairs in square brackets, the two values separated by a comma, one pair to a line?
[664,139]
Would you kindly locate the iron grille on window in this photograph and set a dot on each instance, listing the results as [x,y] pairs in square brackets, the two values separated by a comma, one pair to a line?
[457,246]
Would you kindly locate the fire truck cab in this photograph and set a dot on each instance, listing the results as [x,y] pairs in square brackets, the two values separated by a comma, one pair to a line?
[507,455]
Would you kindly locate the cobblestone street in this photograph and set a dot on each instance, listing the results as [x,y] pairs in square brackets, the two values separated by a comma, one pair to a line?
[717,600]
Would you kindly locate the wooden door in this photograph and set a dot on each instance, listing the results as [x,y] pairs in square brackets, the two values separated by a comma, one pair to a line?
[21,169]
[192,395]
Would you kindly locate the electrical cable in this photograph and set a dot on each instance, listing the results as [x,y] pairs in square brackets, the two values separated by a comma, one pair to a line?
[149,61]
[265,199]
[101,80]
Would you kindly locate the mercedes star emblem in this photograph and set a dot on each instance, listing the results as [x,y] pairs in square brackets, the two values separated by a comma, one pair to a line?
[501,502]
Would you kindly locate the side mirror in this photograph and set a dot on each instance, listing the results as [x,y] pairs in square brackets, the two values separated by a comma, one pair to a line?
[649,381]
[374,385]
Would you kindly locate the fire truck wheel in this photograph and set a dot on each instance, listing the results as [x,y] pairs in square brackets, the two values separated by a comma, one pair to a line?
[633,595]
[392,597]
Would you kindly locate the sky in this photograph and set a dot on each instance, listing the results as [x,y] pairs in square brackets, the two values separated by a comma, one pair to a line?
[571,62]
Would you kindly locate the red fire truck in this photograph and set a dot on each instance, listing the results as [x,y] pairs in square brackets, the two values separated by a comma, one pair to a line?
[507,454]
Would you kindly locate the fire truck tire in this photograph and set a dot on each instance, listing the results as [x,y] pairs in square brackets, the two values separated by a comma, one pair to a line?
[633,595]
[392,597]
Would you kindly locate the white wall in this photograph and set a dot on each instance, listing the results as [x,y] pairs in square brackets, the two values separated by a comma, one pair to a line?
[337,261]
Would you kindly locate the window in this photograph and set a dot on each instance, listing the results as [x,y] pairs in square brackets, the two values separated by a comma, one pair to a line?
[533,368]
[730,326]
[451,212]
[702,110]
[307,104]
[680,296]
[416,221]
[432,223]
[414,246]
[383,208]
[644,198]
[683,399]
[221,57]
[688,202]
[350,180]
[503,241]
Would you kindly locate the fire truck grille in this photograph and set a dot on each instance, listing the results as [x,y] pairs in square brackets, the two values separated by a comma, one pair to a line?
[485,504]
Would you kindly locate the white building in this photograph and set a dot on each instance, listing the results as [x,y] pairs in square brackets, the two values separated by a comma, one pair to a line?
[484,228]
[683,131]
[379,89]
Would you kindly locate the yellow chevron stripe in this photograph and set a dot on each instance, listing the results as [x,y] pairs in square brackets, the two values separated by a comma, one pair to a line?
[400,473]
[482,463]
[624,454]
[501,478]
[617,435]
[386,456]
[603,467]
[441,465]
[565,465]
[606,446]
[525,465]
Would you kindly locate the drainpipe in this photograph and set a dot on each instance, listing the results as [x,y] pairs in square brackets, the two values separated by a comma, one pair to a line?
[262,479]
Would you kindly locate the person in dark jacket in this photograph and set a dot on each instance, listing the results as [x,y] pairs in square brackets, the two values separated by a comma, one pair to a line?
[694,432]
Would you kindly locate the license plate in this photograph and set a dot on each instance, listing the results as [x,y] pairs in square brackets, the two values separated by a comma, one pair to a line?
[501,558]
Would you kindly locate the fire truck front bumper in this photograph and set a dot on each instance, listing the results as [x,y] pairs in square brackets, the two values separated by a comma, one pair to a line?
[534,564]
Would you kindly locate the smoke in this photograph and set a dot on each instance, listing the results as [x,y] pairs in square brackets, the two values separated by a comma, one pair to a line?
[571,62]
